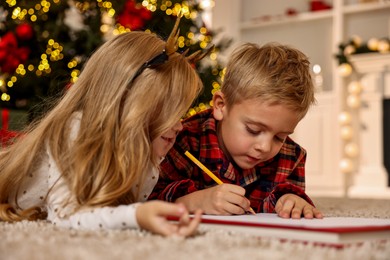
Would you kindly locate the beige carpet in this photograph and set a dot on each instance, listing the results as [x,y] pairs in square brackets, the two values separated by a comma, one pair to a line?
[41,240]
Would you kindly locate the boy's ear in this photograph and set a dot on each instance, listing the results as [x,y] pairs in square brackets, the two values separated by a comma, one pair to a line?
[219,105]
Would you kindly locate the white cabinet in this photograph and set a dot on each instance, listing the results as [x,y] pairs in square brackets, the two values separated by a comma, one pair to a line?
[318,134]
[318,35]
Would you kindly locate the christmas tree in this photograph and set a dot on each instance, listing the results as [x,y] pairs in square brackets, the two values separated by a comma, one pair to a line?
[44,43]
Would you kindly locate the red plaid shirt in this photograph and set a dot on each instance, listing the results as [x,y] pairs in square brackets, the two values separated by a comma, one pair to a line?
[264,184]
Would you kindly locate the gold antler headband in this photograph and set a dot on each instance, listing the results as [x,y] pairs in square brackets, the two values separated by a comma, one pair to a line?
[198,55]
[170,48]
[171,44]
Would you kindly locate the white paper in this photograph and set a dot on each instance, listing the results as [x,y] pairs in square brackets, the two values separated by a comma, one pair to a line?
[326,222]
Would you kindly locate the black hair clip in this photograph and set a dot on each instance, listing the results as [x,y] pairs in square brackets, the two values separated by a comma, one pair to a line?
[152,63]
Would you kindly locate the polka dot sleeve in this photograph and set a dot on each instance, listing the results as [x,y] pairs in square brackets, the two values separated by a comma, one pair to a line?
[120,217]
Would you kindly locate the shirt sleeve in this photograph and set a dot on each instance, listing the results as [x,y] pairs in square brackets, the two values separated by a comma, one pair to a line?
[119,217]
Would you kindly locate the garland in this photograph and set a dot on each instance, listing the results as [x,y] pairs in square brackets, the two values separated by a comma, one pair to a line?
[355,45]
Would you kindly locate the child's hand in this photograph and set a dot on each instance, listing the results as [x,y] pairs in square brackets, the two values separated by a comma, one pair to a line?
[224,199]
[153,215]
[291,205]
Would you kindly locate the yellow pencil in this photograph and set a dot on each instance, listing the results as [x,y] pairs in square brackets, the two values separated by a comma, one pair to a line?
[208,172]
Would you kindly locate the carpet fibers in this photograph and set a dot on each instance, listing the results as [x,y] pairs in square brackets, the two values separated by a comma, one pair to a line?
[41,240]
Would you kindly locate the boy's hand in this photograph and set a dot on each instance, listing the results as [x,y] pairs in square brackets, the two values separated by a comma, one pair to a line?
[224,199]
[291,205]
[153,215]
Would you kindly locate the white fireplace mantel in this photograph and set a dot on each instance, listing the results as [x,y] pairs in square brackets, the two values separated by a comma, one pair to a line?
[371,178]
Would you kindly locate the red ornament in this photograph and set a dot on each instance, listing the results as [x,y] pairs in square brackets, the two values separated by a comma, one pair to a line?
[10,54]
[318,5]
[8,41]
[6,137]
[24,32]
[10,64]
[134,16]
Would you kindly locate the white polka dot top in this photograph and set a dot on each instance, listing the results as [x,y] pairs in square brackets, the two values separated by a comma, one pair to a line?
[34,189]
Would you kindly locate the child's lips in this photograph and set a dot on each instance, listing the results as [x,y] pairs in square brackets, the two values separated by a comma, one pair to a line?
[253,159]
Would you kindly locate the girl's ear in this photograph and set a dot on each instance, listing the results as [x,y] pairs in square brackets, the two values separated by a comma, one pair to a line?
[219,105]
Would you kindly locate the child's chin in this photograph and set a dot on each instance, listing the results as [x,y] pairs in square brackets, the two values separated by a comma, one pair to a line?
[246,165]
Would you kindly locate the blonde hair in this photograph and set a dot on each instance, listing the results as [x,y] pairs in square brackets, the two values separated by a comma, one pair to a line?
[120,119]
[273,72]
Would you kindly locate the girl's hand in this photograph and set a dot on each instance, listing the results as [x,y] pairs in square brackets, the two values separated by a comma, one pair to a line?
[291,205]
[152,216]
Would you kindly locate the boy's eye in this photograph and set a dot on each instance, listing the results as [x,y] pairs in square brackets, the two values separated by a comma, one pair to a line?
[251,131]
[257,132]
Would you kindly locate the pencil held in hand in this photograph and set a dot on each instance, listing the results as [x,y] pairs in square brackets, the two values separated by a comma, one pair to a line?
[200,165]
[208,172]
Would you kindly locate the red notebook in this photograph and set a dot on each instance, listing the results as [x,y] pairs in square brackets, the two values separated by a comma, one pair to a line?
[336,231]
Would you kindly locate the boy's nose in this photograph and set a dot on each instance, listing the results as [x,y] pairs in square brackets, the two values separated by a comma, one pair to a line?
[264,145]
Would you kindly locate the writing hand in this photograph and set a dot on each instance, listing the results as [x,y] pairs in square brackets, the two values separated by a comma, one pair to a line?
[224,199]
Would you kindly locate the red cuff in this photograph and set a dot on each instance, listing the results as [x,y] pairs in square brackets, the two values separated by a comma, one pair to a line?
[178,189]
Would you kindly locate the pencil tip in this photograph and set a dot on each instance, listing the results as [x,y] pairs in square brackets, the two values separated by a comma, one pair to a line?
[252,211]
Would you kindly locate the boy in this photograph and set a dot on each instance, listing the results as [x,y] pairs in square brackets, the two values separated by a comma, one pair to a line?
[244,140]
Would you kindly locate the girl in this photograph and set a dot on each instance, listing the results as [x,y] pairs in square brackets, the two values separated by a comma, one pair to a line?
[96,153]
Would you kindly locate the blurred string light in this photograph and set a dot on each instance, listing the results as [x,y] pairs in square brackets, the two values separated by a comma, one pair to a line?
[4,96]
[349,118]
[216,86]
[53,50]
[349,121]
[318,78]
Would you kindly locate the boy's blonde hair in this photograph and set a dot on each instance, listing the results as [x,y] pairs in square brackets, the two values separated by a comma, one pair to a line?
[120,118]
[273,72]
